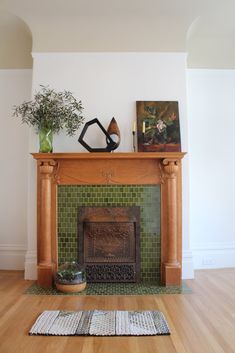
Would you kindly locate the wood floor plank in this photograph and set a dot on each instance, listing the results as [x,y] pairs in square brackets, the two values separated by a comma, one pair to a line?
[201,322]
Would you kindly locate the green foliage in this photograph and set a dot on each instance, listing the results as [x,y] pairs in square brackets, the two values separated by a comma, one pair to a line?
[70,272]
[52,110]
[67,275]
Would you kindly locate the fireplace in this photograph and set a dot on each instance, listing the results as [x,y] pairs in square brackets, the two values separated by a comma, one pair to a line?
[109,243]
[71,199]
[110,169]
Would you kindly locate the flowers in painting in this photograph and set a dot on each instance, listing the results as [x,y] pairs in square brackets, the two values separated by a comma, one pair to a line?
[160,125]
[172,117]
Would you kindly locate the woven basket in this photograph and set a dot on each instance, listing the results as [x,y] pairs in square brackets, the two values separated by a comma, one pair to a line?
[71,288]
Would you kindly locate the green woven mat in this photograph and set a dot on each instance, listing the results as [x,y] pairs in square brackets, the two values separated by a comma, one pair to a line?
[115,289]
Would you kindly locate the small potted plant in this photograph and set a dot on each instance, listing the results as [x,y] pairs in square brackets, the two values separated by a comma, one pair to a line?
[70,278]
[50,112]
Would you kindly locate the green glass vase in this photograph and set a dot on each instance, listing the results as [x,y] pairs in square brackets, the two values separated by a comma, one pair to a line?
[45,141]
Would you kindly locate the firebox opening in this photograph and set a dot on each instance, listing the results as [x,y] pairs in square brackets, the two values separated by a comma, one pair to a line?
[109,243]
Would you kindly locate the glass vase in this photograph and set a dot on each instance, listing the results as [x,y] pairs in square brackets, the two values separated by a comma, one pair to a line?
[45,141]
[70,273]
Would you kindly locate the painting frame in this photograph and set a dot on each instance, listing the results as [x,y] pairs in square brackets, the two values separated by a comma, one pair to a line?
[158,126]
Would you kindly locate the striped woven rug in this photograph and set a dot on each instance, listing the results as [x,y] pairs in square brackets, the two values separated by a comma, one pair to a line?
[100,323]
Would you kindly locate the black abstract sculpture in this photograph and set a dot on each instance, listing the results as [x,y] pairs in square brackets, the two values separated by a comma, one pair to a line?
[111,144]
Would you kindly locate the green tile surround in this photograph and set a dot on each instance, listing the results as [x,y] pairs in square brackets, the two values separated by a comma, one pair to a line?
[142,288]
[70,197]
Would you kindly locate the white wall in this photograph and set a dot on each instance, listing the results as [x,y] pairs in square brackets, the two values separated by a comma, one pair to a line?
[211,117]
[15,86]
[109,84]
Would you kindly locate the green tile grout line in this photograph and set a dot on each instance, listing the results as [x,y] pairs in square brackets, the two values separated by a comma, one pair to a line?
[115,289]
[70,197]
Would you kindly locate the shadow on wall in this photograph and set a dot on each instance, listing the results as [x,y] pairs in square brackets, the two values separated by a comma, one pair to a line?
[16,42]
[210,41]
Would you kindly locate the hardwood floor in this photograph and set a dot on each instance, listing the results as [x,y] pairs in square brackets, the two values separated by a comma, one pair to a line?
[201,322]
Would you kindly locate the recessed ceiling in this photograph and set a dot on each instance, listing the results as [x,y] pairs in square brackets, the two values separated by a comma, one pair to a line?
[129,25]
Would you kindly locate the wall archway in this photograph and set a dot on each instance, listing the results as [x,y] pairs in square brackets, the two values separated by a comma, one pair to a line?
[210,41]
[16,42]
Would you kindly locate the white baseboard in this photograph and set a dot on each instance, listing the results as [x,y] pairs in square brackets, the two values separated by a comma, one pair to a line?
[12,256]
[187,265]
[213,255]
[201,256]
[15,257]
[31,265]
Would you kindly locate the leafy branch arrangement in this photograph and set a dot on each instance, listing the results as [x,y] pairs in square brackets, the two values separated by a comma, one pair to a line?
[51,110]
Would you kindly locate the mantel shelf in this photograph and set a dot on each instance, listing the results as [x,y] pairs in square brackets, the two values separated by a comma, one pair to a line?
[105,155]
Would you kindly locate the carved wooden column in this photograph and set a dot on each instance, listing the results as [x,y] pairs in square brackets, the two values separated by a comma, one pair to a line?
[45,264]
[172,263]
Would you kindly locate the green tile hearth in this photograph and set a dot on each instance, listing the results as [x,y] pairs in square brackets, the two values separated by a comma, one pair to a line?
[147,197]
[116,289]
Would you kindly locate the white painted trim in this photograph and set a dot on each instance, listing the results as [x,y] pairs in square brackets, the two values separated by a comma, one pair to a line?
[12,256]
[113,53]
[13,247]
[31,265]
[217,255]
[214,255]
[187,265]
[13,71]
[213,246]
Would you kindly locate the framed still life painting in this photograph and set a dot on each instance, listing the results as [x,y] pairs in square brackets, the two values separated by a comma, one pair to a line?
[158,127]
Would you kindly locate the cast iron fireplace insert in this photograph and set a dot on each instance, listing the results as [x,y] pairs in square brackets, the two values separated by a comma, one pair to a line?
[109,243]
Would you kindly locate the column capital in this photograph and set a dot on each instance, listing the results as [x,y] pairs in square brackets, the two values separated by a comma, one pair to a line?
[47,166]
[170,167]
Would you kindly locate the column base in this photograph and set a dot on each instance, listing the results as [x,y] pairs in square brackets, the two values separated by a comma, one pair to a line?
[171,274]
[45,276]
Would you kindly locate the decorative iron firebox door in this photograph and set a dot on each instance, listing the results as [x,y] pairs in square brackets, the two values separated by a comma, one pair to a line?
[109,243]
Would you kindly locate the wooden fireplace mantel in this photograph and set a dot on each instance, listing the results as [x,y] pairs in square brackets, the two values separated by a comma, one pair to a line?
[162,168]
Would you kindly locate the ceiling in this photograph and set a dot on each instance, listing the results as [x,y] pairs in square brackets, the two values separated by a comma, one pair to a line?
[203,28]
